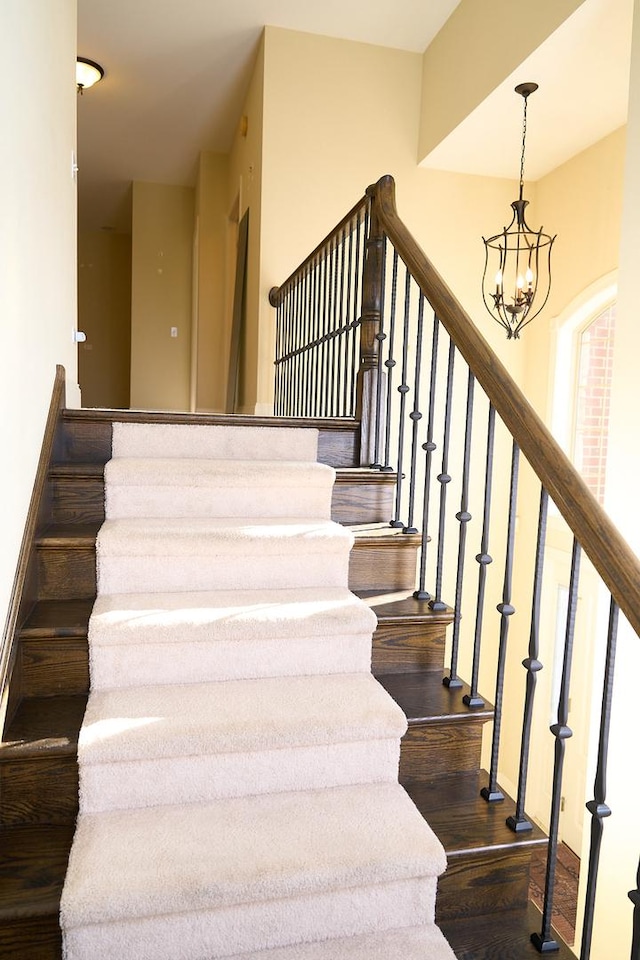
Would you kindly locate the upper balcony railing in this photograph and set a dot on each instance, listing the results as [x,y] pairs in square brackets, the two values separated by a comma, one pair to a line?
[367,328]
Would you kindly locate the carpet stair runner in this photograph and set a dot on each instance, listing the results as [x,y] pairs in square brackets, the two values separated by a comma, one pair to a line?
[238,762]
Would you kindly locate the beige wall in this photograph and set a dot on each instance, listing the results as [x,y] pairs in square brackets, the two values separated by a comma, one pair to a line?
[478,47]
[337,116]
[37,243]
[104,315]
[161,293]
[581,202]
[245,192]
[212,333]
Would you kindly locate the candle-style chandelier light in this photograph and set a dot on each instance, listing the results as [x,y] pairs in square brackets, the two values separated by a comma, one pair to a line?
[517,269]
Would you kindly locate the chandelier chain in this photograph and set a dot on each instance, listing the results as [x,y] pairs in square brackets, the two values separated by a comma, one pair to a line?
[524,137]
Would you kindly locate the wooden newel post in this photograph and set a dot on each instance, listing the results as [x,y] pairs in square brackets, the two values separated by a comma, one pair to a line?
[371,379]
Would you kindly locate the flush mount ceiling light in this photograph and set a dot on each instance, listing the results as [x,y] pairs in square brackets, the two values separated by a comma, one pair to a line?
[517,270]
[88,72]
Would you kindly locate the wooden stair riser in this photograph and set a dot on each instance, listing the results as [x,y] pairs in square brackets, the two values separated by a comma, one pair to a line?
[31,938]
[66,573]
[59,665]
[79,498]
[39,790]
[431,750]
[54,666]
[401,647]
[484,882]
[86,435]
[385,562]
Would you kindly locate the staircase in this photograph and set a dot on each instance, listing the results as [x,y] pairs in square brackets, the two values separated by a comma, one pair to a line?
[482,898]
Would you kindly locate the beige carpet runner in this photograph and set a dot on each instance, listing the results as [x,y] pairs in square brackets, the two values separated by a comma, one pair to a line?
[238,762]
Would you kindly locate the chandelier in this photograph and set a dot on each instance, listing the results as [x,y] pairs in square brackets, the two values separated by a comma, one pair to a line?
[517,268]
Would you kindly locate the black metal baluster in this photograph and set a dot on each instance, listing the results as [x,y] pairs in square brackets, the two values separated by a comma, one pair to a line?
[308,337]
[355,342]
[296,344]
[276,384]
[473,698]
[492,792]
[597,807]
[325,334]
[390,364]
[333,291]
[318,346]
[403,390]
[443,479]
[416,417]
[463,517]
[381,336]
[634,896]
[340,329]
[287,393]
[429,447]
[543,941]
[519,823]
[349,330]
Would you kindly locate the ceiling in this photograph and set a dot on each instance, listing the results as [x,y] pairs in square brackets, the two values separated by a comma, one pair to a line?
[176,72]
[583,76]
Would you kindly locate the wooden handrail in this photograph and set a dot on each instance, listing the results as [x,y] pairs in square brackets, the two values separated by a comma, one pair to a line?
[607,549]
[20,601]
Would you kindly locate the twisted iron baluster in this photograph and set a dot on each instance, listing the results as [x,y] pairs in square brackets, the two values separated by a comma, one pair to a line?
[381,336]
[429,446]
[463,516]
[519,822]
[333,331]
[316,330]
[473,698]
[403,390]
[357,293]
[416,417]
[390,364]
[340,331]
[492,793]
[597,807]
[543,941]
[443,479]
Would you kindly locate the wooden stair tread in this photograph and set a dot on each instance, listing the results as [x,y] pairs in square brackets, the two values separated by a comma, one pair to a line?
[33,864]
[425,699]
[57,618]
[403,606]
[68,535]
[506,938]
[108,415]
[44,725]
[463,821]
[364,475]
[385,534]
[77,470]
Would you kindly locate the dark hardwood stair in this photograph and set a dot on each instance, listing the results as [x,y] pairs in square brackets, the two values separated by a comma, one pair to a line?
[488,872]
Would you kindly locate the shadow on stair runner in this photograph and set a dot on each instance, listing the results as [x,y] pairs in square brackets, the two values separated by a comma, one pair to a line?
[566,890]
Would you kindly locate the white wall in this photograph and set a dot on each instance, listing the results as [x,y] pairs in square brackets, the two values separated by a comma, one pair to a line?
[37,243]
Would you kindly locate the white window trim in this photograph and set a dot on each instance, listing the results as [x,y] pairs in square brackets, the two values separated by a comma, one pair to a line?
[569,325]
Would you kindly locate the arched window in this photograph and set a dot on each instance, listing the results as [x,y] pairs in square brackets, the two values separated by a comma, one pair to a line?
[593,389]
[581,395]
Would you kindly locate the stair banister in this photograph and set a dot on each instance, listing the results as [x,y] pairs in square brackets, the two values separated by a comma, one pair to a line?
[600,539]
[387,247]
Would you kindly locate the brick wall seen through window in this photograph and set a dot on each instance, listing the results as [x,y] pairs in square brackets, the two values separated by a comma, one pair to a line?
[595,363]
